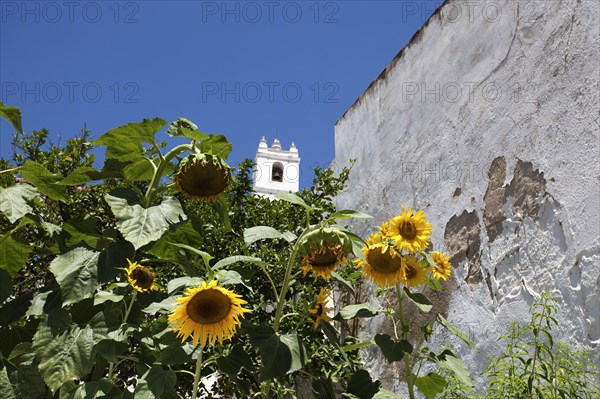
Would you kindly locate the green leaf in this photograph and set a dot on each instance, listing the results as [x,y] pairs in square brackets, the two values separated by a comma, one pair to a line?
[419,300]
[136,132]
[348,214]
[103,296]
[294,199]
[256,233]
[353,311]
[26,379]
[13,200]
[185,234]
[206,257]
[44,302]
[343,282]
[185,127]
[216,144]
[12,115]
[167,305]
[280,354]
[392,349]
[155,383]
[362,386]
[323,389]
[454,330]
[385,394]
[141,169]
[237,359]
[230,260]
[13,254]
[76,272]
[44,180]
[141,226]
[357,346]
[434,284]
[113,258]
[458,367]
[5,286]
[177,283]
[90,390]
[64,357]
[80,176]
[6,389]
[430,385]
[231,277]
[110,349]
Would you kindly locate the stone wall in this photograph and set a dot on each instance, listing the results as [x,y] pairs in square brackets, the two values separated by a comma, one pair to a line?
[489,121]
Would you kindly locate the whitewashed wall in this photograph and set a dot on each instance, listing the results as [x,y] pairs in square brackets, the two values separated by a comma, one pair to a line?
[489,121]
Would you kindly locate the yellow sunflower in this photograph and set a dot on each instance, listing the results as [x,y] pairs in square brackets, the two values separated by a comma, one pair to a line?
[203,177]
[141,278]
[413,272]
[410,231]
[324,250]
[321,311]
[442,269]
[207,313]
[383,263]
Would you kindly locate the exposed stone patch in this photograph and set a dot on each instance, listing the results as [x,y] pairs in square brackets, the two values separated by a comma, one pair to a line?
[457,192]
[463,242]
[526,188]
[494,199]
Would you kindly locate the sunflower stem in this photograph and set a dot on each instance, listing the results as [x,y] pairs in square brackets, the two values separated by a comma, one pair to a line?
[286,280]
[197,375]
[161,169]
[111,365]
[407,357]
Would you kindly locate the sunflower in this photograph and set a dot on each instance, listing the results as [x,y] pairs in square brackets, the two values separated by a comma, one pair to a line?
[383,264]
[321,311]
[208,313]
[324,250]
[141,278]
[442,268]
[410,231]
[413,272]
[203,177]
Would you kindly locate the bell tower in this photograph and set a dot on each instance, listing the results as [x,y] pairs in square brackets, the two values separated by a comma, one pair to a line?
[276,170]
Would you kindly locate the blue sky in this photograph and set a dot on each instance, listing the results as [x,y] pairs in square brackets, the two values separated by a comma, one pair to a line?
[241,68]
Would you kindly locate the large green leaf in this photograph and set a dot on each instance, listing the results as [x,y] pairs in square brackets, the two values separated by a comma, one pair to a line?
[132,132]
[6,389]
[13,253]
[44,302]
[230,260]
[420,300]
[280,354]
[113,258]
[155,382]
[141,226]
[294,199]
[185,234]
[63,357]
[12,115]
[142,169]
[44,180]
[26,378]
[385,394]
[185,127]
[393,349]
[77,274]
[233,363]
[81,175]
[90,390]
[14,200]
[256,233]
[430,385]
[457,366]
[362,386]
[353,311]
[216,144]
[348,214]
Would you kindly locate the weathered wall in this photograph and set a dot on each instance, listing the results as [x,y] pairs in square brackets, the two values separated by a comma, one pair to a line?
[489,121]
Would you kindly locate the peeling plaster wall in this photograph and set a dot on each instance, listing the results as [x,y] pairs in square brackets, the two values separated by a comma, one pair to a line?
[489,121]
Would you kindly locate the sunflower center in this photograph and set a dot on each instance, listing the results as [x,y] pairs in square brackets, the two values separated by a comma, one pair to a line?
[143,277]
[383,262]
[326,257]
[208,306]
[407,230]
[411,272]
[202,179]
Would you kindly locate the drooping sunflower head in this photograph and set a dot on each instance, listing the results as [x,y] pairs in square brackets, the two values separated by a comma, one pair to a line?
[323,250]
[410,230]
[413,272]
[203,177]
[382,264]
[442,268]
[320,309]
[208,313]
[141,278]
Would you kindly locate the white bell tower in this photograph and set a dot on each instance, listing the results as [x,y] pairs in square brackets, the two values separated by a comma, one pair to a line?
[276,170]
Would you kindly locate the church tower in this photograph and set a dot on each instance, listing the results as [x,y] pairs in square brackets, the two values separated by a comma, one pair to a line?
[276,170]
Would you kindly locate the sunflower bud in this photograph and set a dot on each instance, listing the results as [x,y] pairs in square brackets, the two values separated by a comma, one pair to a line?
[203,177]
[323,250]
